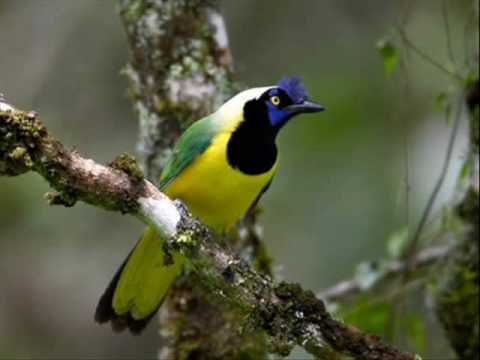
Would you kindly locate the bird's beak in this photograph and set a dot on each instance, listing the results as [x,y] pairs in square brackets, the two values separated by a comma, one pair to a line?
[305,107]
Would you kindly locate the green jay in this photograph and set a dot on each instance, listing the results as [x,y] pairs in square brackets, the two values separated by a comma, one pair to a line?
[219,168]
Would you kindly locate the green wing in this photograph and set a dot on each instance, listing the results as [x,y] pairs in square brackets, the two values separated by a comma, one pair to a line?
[192,143]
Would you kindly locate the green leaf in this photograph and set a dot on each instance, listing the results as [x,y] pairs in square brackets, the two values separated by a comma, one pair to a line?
[444,102]
[389,54]
[464,172]
[397,242]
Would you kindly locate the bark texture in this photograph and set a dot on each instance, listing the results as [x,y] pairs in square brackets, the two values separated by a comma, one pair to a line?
[180,69]
[458,296]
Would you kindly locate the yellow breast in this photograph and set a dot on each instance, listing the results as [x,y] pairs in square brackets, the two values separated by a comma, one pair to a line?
[215,192]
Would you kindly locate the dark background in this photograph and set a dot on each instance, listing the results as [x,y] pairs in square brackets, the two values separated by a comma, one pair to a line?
[339,194]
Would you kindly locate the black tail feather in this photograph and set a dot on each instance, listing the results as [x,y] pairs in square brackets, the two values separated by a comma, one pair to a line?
[105,312]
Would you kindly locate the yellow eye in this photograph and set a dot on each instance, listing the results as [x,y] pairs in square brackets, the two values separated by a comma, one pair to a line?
[275,100]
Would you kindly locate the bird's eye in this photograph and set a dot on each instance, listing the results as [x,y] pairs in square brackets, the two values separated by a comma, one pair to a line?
[275,100]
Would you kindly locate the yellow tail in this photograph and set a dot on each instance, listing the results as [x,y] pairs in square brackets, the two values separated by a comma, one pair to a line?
[140,285]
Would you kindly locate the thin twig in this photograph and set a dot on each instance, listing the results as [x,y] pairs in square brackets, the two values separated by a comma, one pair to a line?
[408,7]
[448,33]
[427,57]
[348,288]
[438,185]
[407,12]
[405,140]
[471,34]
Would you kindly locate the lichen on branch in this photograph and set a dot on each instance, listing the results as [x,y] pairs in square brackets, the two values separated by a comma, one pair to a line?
[26,145]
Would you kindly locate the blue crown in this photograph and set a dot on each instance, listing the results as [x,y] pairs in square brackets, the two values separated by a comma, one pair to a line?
[294,88]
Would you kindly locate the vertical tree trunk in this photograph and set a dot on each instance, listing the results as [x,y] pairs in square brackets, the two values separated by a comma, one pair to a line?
[181,70]
[458,296]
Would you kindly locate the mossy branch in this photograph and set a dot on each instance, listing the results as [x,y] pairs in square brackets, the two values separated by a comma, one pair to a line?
[288,314]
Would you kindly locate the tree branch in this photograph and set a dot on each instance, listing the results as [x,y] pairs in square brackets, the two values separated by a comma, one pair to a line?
[394,268]
[413,245]
[287,313]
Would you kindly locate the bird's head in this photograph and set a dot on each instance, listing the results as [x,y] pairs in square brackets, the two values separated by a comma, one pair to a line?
[269,107]
[286,100]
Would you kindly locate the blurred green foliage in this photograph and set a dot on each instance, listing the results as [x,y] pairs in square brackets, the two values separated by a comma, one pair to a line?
[389,54]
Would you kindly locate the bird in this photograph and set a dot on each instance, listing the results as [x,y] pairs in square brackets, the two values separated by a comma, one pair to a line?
[219,168]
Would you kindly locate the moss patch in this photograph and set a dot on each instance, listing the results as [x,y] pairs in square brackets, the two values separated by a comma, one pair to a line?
[19,136]
[127,163]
